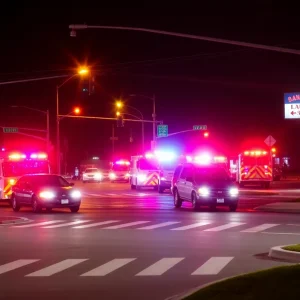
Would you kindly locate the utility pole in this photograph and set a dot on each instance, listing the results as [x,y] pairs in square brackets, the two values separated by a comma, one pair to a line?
[154,124]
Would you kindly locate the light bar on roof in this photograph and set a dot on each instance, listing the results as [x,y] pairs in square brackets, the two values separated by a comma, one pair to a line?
[203,159]
[16,156]
[122,162]
[38,156]
[220,159]
[165,156]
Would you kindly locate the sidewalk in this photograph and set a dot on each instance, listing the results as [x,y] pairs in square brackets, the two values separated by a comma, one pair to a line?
[284,207]
[12,220]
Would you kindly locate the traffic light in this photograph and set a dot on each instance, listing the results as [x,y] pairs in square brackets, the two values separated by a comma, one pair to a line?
[120,120]
[77,110]
[206,134]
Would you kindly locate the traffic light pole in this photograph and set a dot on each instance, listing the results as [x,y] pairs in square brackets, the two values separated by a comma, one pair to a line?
[178,132]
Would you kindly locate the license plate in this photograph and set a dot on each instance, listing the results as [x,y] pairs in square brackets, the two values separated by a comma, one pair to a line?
[64,201]
[220,200]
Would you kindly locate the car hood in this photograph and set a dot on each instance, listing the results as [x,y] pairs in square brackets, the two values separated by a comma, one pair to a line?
[57,190]
[217,184]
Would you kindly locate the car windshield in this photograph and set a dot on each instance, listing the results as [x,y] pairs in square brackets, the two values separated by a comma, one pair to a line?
[117,167]
[50,180]
[147,164]
[92,170]
[252,161]
[20,168]
[211,174]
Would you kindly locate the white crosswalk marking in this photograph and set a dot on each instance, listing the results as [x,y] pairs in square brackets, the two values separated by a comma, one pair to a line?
[226,226]
[56,268]
[213,266]
[160,266]
[38,224]
[109,267]
[16,264]
[96,224]
[158,225]
[203,223]
[260,228]
[67,224]
[126,225]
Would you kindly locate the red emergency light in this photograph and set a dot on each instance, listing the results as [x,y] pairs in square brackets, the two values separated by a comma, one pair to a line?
[122,162]
[38,156]
[16,156]
[255,153]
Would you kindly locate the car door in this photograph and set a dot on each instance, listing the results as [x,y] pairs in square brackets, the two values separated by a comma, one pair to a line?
[27,191]
[181,183]
[189,183]
[18,189]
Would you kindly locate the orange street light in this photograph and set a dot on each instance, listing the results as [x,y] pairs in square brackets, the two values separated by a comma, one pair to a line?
[77,110]
[83,71]
[118,114]
[273,150]
[119,104]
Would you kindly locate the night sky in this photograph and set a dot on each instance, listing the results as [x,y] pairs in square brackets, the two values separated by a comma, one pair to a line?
[237,92]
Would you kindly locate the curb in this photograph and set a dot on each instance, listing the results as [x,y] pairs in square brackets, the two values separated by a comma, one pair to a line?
[279,253]
[16,220]
[271,208]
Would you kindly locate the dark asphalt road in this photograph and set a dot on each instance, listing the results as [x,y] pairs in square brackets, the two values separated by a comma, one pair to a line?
[134,246]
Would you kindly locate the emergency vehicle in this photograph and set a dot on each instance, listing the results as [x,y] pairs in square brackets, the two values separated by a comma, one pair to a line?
[255,166]
[119,171]
[13,165]
[144,171]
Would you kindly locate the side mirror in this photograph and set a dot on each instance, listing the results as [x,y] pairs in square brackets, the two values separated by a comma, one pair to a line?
[72,183]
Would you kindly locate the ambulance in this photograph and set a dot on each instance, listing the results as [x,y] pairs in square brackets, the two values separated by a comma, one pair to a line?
[13,165]
[119,171]
[255,167]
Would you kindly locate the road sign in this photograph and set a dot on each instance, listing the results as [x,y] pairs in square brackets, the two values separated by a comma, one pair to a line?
[270,141]
[292,105]
[200,127]
[114,138]
[10,129]
[162,130]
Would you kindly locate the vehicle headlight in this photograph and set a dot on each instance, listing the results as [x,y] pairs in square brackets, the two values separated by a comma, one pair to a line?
[163,178]
[142,177]
[48,195]
[112,175]
[203,191]
[127,175]
[75,194]
[98,175]
[233,192]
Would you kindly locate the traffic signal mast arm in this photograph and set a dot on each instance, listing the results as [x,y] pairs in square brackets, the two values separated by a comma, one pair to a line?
[175,133]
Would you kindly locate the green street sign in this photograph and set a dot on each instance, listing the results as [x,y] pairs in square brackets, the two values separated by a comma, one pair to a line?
[200,127]
[162,130]
[10,129]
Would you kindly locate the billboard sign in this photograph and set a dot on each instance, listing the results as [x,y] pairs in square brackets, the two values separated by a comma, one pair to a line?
[292,105]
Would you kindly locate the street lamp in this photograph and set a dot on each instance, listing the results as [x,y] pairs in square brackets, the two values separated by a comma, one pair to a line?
[45,112]
[81,72]
[153,116]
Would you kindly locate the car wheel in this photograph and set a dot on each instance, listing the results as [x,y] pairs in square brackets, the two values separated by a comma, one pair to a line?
[233,207]
[36,207]
[177,199]
[15,204]
[160,190]
[48,209]
[74,209]
[195,205]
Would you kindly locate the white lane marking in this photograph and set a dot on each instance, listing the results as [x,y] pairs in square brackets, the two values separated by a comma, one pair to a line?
[226,226]
[160,266]
[38,224]
[16,264]
[126,225]
[293,224]
[109,267]
[95,224]
[158,225]
[203,223]
[260,228]
[56,268]
[67,224]
[288,233]
[213,266]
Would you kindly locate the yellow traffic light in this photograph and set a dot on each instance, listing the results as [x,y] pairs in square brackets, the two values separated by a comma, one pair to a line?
[77,110]
[83,71]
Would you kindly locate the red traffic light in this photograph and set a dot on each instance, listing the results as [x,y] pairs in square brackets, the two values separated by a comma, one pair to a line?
[206,134]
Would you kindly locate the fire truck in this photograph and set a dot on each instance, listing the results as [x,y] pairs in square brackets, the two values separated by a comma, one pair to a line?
[255,166]
[13,165]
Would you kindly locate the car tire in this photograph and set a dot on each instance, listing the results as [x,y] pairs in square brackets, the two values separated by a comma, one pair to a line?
[36,207]
[161,190]
[74,209]
[233,207]
[15,204]
[177,199]
[48,209]
[195,205]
